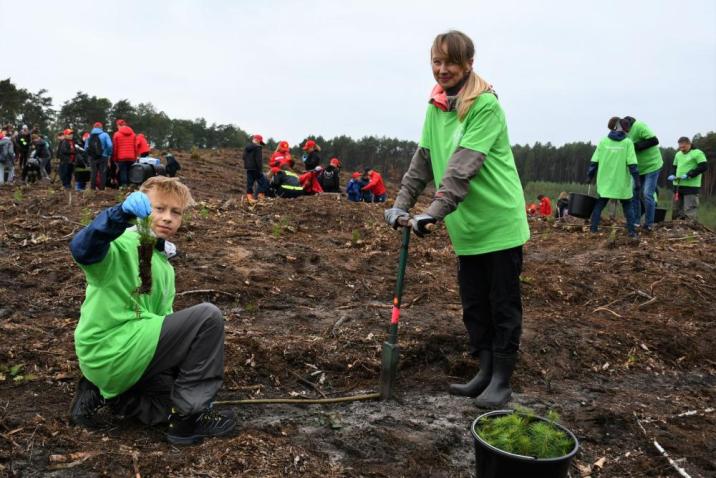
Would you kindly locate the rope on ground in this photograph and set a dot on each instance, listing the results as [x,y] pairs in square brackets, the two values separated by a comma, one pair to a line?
[300,401]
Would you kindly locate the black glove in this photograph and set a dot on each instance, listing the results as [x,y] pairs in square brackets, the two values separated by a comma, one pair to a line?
[422,224]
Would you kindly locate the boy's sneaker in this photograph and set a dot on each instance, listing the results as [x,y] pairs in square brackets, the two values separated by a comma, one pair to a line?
[191,429]
[85,405]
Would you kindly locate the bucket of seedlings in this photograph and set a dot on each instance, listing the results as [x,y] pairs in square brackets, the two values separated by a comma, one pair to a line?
[659,214]
[520,444]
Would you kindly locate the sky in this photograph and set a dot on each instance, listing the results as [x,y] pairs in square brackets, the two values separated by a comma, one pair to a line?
[288,69]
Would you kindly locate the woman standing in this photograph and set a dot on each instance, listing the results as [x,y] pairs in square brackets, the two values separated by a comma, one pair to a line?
[465,150]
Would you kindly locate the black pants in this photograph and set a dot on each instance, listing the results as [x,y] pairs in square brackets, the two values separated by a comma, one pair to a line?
[491,300]
[187,369]
[255,176]
[98,172]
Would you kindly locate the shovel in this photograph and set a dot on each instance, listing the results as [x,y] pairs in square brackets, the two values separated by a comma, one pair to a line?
[391,351]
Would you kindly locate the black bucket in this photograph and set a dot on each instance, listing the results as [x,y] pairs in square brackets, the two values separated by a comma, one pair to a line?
[581,205]
[140,172]
[491,462]
[659,214]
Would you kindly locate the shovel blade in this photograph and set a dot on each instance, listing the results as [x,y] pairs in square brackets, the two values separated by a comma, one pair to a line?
[389,370]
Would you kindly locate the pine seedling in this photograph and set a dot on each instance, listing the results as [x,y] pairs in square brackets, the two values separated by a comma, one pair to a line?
[521,433]
[145,251]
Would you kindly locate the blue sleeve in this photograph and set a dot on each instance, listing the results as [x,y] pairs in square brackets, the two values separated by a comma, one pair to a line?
[86,145]
[592,170]
[91,244]
[634,171]
[107,144]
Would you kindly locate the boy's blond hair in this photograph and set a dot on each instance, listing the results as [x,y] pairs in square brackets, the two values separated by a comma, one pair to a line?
[170,186]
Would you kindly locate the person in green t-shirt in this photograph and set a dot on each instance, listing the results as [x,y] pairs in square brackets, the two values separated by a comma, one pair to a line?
[136,354]
[465,150]
[614,162]
[688,167]
[649,163]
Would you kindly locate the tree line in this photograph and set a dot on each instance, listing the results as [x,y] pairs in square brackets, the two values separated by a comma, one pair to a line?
[537,162]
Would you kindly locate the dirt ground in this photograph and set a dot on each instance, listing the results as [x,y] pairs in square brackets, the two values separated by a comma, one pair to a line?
[613,333]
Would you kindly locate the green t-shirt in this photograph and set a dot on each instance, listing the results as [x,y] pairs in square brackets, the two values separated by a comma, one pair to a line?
[649,160]
[118,329]
[492,217]
[684,163]
[613,177]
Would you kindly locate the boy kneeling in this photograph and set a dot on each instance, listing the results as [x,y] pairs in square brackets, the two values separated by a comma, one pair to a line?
[135,353]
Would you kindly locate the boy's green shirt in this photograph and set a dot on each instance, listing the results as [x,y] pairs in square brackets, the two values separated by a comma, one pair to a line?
[684,163]
[118,330]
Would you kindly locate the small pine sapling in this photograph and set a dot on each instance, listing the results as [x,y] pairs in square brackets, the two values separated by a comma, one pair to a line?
[523,434]
[145,251]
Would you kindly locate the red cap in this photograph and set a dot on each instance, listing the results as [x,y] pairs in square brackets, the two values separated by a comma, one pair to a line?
[283,146]
[355,175]
[97,125]
[335,162]
[309,144]
[121,122]
[259,138]
[67,131]
[85,136]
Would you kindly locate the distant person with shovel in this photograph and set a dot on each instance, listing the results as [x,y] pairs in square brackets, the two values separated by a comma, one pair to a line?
[686,172]
[465,150]
[136,354]
[615,164]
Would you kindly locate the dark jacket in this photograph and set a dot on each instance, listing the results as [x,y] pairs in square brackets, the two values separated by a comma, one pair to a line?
[253,160]
[41,149]
[330,179]
[287,184]
[66,151]
[312,160]
[24,141]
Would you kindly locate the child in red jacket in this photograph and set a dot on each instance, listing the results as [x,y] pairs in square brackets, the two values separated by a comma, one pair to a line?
[375,186]
[281,153]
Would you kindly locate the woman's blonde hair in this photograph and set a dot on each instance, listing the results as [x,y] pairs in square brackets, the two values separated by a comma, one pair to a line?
[459,49]
[171,187]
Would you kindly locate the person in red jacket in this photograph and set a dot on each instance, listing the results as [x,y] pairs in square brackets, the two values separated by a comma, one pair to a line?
[281,153]
[375,186]
[142,146]
[309,181]
[545,206]
[124,153]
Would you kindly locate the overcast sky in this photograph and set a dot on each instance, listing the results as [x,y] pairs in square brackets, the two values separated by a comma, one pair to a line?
[288,69]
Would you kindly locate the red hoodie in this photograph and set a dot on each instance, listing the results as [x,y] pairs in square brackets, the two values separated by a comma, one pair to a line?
[124,145]
[309,181]
[375,185]
[142,145]
[275,161]
[545,207]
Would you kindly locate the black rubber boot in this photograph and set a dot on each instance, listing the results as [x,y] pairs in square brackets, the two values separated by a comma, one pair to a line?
[85,405]
[191,429]
[499,391]
[479,382]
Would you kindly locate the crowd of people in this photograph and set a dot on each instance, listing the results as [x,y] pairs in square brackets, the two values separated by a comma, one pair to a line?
[283,181]
[88,159]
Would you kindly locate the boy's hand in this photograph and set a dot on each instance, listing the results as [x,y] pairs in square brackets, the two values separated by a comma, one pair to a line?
[137,204]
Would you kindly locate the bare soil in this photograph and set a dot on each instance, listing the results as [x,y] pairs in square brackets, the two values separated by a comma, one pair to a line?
[613,332]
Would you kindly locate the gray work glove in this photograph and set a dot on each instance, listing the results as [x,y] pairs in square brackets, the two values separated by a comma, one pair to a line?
[422,224]
[393,214]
